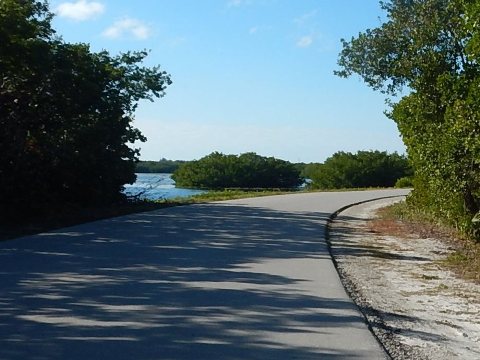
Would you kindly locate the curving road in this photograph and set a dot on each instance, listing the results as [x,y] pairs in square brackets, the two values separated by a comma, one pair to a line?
[244,279]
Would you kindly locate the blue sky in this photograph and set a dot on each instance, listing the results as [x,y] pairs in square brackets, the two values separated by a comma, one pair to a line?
[248,75]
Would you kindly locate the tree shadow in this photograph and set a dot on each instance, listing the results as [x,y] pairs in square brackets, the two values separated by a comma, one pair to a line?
[193,282]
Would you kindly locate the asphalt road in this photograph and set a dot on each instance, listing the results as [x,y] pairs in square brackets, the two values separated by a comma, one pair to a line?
[244,279]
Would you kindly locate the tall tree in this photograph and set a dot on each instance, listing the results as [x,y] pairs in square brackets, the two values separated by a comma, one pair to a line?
[428,47]
[66,114]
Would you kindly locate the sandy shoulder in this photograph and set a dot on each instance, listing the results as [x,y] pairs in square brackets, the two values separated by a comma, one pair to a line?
[416,308]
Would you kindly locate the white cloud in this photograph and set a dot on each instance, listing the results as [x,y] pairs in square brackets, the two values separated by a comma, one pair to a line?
[305,41]
[305,18]
[238,3]
[306,23]
[177,41]
[258,29]
[80,10]
[128,27]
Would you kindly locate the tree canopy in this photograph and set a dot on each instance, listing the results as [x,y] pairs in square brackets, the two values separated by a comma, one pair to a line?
[66,113]
[360,170]
[430,48]
[249,170]
[161,166]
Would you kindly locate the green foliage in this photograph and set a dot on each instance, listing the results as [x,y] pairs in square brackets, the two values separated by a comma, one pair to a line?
[249,170]
[420,41]
[360,170]
[222,195]
[66,114]
[431,47]
[404,182]
[161,166]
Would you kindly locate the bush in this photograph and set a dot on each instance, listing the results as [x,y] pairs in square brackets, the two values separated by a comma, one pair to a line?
[360,170]
[431,48]
[404,182]
[249,170]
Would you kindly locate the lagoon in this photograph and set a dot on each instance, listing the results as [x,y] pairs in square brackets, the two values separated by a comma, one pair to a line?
[157,186]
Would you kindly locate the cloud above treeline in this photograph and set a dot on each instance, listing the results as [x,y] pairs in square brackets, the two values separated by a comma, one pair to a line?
[306,23]
[80,10]
[305,18]
[83,10]
[305,41]
[128,27]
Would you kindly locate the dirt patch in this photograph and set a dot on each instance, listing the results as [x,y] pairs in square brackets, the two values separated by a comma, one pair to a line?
[464,260]
[416,306]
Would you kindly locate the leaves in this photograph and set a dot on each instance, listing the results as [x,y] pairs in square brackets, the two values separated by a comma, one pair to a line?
[249,170]
[66,114]
[363,169]
[430,47]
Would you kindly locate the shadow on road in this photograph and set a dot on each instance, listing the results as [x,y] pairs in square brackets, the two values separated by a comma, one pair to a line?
[180,283]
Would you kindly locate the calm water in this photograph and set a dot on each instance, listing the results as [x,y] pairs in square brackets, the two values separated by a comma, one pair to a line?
[157,186]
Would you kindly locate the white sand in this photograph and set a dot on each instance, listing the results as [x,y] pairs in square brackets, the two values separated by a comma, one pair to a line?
[416,307]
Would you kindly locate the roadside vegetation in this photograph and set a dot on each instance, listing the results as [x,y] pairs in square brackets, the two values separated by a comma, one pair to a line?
[426,58]
[403,220]
[66,116]
[361,170]
[221,195]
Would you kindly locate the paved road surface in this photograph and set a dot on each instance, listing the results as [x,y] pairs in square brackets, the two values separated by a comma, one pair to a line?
[245,279]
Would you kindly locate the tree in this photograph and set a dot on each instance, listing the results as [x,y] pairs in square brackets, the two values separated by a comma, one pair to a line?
[66,114]
[161,166]
[430,47]
[363,169]
[249,170]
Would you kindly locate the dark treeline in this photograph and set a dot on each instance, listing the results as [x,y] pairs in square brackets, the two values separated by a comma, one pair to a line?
[65,115]
[161,166]
[249,170]
[432,49]
[360,170]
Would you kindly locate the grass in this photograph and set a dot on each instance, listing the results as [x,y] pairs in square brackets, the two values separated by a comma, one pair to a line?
[351,189]
[399,220]
[466,260]
[225,195]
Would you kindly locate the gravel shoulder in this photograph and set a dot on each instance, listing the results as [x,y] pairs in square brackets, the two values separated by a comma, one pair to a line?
[415,307]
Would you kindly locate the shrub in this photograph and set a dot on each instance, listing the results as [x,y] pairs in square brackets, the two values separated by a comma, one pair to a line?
[404,182]
[363,169]
[249,170]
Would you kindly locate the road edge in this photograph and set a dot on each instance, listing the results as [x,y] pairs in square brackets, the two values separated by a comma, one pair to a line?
[369,315]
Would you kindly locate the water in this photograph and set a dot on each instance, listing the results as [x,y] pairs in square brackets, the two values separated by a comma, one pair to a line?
[156,187]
